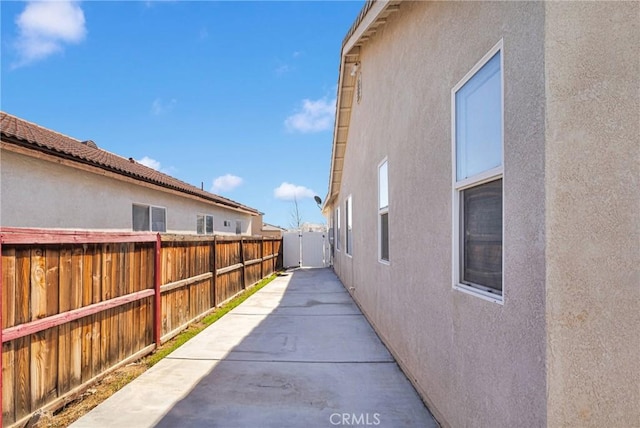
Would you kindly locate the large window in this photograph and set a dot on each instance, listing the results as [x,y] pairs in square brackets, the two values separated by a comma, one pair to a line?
[477,179]
[204,224]
[348,208]
[149,218]
[383,211]
[338,229]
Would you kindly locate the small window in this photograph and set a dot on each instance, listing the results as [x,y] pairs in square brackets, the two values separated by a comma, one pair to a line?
[209,225]
[348,208]
[200,224]
[158,219]
[227,223]
[338,228]
[238,227]
[383,212]
[141,218]
[145,218]
[478,141]
[204,224]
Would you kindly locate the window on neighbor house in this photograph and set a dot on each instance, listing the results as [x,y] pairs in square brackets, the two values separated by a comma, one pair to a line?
[348,208]
[204,224]
[477,182]
[149,218]
[238,227]
[338,228]
[383,212]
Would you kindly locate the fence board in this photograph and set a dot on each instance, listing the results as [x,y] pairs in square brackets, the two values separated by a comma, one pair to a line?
[8,287]
[8,382]
[8,320]
[22,382]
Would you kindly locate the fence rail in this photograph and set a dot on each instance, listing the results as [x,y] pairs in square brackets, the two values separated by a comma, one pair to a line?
[77,305]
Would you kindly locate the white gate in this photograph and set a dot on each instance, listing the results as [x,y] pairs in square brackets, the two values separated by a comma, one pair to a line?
[306,249]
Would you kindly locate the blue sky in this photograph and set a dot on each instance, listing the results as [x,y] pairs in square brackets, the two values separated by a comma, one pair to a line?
[239,96]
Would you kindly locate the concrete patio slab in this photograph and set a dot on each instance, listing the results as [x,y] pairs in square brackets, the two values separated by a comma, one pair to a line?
[297,353]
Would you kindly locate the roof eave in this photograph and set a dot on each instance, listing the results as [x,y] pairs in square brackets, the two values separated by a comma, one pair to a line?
[372,15]
[35,147]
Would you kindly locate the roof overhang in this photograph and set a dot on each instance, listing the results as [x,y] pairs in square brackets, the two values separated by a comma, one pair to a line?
[15,145]
[372,16]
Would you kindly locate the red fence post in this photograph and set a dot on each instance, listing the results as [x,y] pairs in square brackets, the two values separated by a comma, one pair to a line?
[157,303]
[1,290]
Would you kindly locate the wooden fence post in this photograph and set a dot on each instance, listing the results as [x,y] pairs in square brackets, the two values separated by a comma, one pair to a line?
[214,270]
[244,266]
[157,278]
[262,257]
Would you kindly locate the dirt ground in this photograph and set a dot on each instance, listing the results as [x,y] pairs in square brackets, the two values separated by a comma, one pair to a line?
[93,396]
[98,392]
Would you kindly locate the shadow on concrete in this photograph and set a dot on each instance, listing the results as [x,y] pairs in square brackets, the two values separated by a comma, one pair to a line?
[299,353]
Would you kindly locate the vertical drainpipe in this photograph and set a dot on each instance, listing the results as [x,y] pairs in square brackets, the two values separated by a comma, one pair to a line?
[157,304]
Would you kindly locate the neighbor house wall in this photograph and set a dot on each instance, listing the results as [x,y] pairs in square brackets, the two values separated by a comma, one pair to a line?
[44,194]
[592,205]
[476,363]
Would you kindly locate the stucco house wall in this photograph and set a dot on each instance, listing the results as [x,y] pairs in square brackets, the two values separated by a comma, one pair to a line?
[530,360]
[593,213]
[45,194]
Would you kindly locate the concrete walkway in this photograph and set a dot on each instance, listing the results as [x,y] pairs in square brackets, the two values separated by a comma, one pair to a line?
[298,353]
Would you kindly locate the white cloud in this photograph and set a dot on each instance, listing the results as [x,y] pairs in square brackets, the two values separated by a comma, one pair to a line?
[44,27]
[289,192]
[151,163]
[159,107]
[315,116]
[226,183]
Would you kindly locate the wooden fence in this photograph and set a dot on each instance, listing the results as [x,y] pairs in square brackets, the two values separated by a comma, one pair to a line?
[77,305]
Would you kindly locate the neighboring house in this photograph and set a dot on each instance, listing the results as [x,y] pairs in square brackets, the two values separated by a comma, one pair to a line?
[313,227]
[49,180]
[259,228]
[484,196]
[272,230]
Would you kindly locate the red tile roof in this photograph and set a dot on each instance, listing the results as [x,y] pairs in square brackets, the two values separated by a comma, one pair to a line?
[14,130]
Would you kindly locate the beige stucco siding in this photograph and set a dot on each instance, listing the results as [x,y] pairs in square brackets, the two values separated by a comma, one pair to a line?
[477,363]
[593,205]
[44,194]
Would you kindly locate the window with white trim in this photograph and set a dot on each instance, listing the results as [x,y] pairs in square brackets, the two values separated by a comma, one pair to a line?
[477,129]
[238,227]
[383,211]
[348,212]
[338,229]
[204,224]
[148,218]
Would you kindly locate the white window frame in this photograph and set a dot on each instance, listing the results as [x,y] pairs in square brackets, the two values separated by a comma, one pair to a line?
[213,224]
[150,211]
[338,229]
[382,210]
[348,212]
[481,178]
